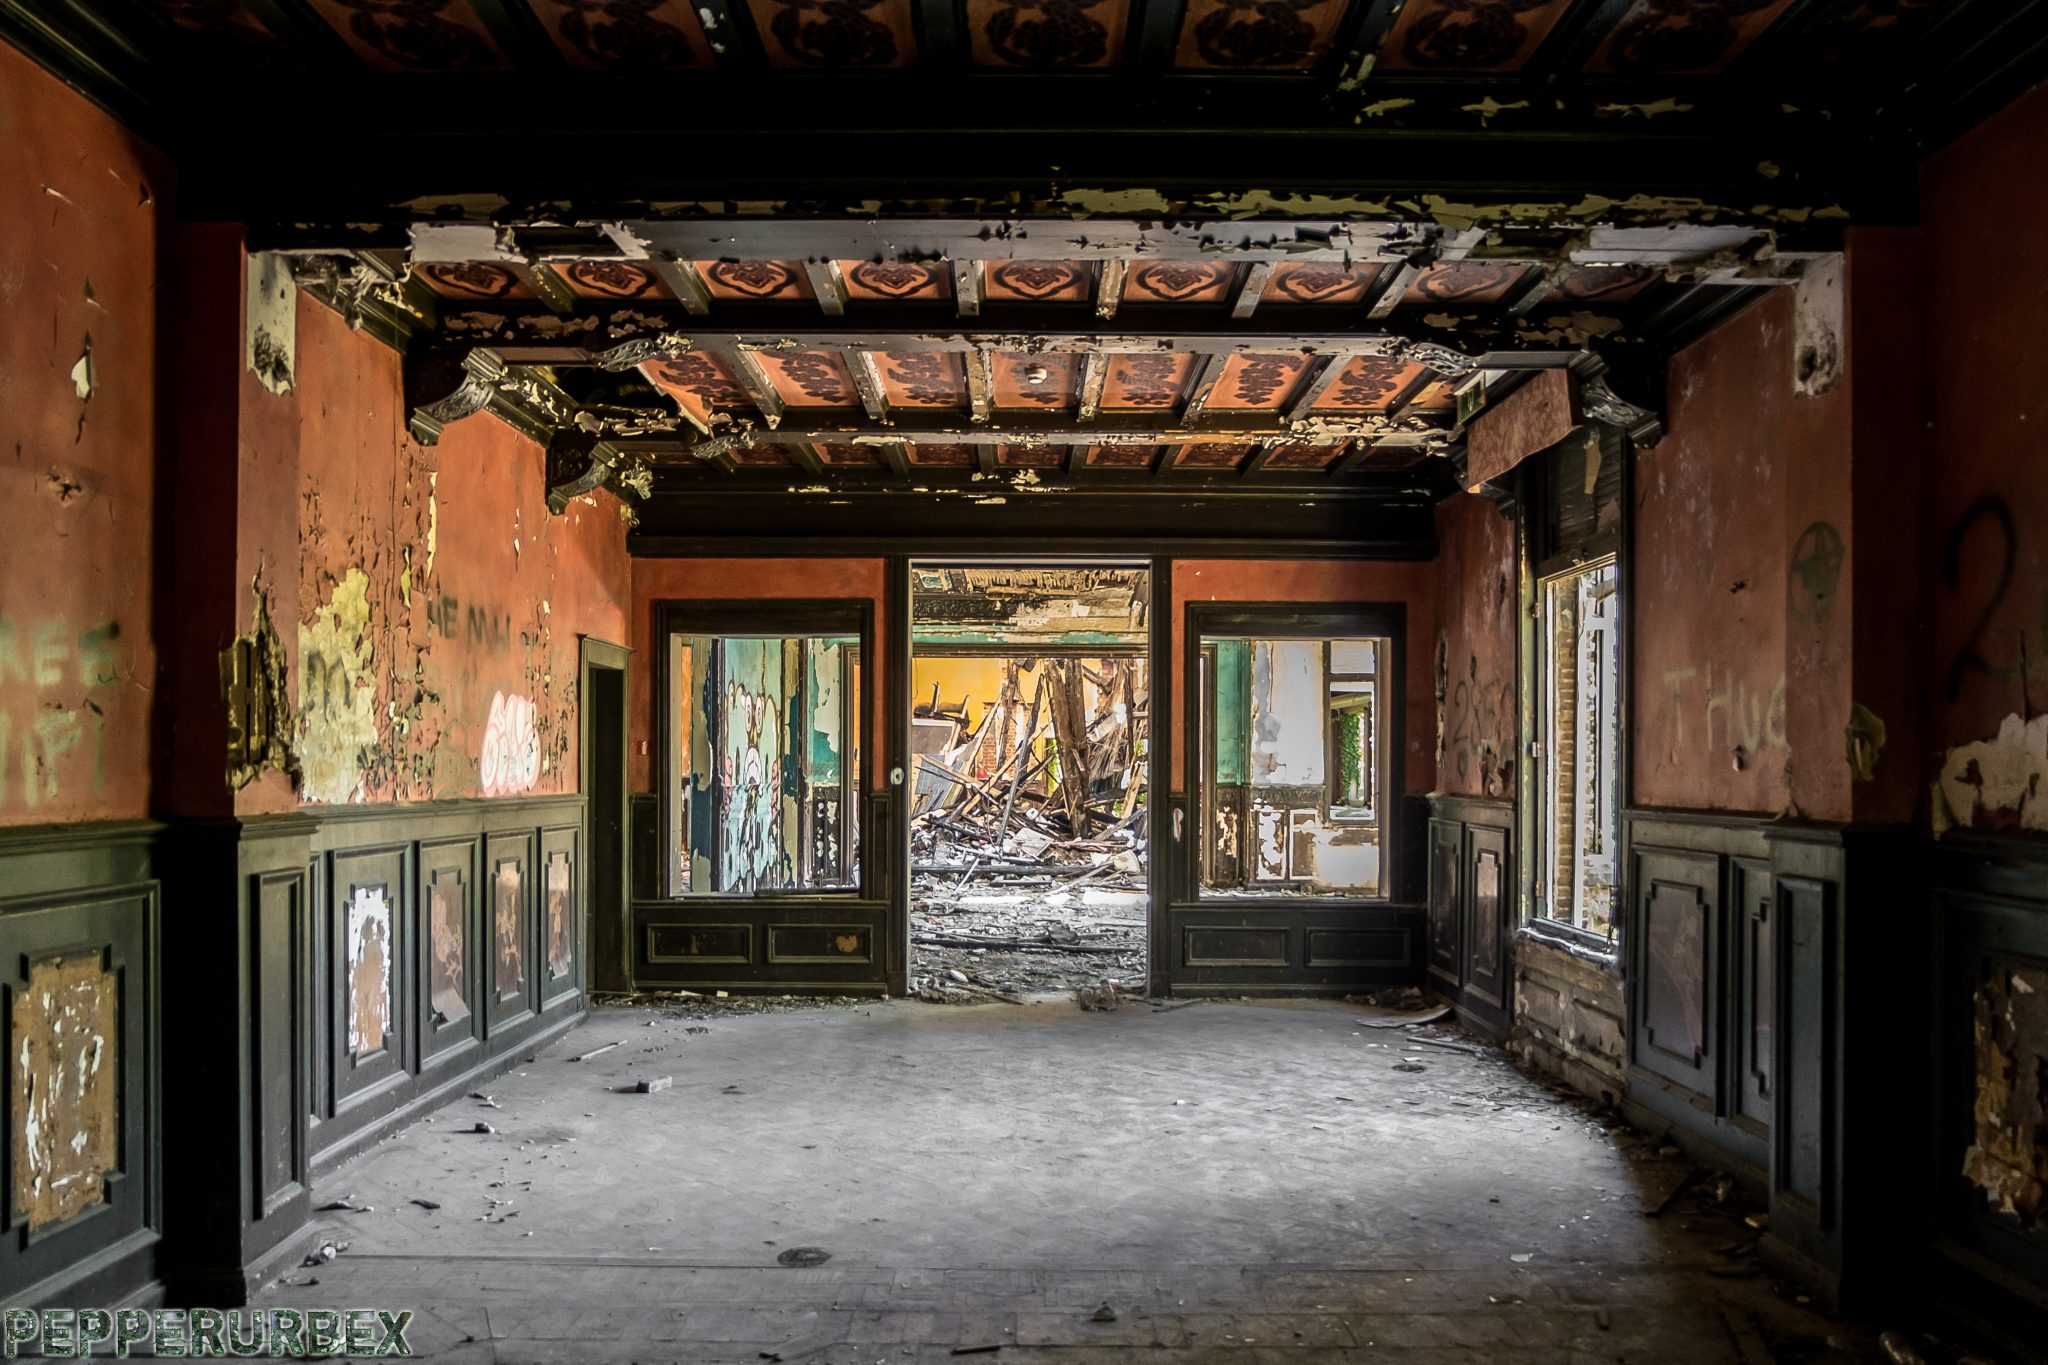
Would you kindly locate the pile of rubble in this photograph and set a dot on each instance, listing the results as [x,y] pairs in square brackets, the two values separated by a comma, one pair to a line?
[1028,851]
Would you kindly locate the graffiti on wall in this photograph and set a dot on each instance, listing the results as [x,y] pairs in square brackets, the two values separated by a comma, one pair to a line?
[1733,712]
[49,672]
[750,762]
[66,1088]
[369,969]
[510,761]
[1476,731]
[338,693]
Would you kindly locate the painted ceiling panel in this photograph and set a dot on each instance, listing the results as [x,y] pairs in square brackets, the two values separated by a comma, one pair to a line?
[1180,282]
[1037,281]
[1040,381]
[700,382]
[835,34]
[428,35]
[1047,33]
[1211,455]
[850,454]
[1258,382]
[1368,383]
[922,379]
[1469,35]
[761,455]
[611,280]
[1318,282]
[1277,34]
[1684,35]
[809,379]
[779,281]
[890,280]
[1122,457]
[635,36]
[1604,283]
[1031,456]
[1464,283]
[1304,455]
[1147,380]
[472,280]
[944,456]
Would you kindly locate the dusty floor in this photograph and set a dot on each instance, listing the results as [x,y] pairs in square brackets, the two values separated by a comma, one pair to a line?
[1236,1183]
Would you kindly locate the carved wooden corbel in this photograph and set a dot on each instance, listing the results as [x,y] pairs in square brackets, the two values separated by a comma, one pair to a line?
[440,390]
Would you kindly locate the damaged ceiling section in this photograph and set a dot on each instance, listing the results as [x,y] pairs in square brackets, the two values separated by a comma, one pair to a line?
[1036,353]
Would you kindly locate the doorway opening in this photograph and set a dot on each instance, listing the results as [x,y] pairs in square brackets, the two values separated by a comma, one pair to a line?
[1030,822]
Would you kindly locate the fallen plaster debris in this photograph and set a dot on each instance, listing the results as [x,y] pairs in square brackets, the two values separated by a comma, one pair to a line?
[1996,784]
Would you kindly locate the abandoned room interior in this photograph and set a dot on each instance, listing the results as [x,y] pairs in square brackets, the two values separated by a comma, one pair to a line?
[858,680]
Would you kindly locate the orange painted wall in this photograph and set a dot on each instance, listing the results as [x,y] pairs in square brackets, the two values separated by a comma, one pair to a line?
[1475,575]
[687,580]
[1986,649]
[79,216]
[1268,580]
[476,595]
[1722,658]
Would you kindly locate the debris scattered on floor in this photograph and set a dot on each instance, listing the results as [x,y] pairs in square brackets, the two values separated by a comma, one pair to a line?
[482,1127]
[648,1085]
[1028,834]
[596,1051]
[803,1258]
[1096,997]
[1105,1314]
[427,1204]
[346,1204]
[326,1252]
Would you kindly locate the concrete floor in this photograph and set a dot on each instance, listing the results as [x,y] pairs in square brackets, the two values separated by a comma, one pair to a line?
[1238,1182]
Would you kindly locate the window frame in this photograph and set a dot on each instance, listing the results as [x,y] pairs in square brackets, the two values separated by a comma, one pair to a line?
[1543,553]
[1542,905]
[760,618]
[1324,621]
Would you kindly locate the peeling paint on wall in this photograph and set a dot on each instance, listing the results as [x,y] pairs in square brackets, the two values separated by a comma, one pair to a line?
[369,969]
[448,949]
[2008,1161]
[66,1088]
[337,693]
[558,918]
[270,333]
[1817,323]
[252,682]
[1865,736]
[509,945]
[751,763]
[1998,784]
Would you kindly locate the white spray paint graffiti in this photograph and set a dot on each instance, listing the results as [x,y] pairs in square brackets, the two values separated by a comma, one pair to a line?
[510,761]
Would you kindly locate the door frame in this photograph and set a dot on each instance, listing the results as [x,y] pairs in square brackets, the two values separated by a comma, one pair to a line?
[607,942]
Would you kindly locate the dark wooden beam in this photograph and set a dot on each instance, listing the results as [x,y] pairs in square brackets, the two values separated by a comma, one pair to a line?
[867,382]
[980,385]
[745,368]
[1250,289]
[1205,384]
[829,286]
[1094,370]
[682,279]
[966,288]
[1109,287]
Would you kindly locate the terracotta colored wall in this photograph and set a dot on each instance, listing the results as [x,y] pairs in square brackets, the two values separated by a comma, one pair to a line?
[1726,656]
[1475,570]
[78,245]
[437,605]
[1987,494]
[1264,580]
[685,580]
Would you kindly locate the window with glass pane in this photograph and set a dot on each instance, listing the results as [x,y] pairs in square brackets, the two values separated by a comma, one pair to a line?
[1580,733]
[763,763]
[1296,741]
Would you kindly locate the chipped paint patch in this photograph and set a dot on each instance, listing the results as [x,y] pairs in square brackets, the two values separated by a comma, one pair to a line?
[2008,1160]
[1997,784]
[1817,322]
[1384,107]
[1490,106]
[66,1088]
[338,693]
[369,970]
[270,345]
[1668,105]
[83,375]
[253,684]
[1864,735]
